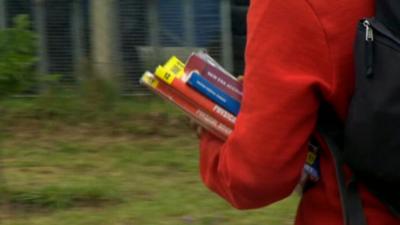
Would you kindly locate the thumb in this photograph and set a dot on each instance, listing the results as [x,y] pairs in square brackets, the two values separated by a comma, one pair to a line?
[199,131]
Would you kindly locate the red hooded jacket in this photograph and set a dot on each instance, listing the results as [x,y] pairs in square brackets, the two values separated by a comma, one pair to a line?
[298,51]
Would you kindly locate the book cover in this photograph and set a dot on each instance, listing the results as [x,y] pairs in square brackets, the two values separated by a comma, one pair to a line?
[205,87]
[203,102]
[194,112]
[214,73]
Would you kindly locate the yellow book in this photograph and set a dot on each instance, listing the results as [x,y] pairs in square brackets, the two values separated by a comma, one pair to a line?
[149,79]
[174,68]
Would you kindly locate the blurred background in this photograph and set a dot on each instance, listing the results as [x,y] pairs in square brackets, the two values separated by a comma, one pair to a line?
[81,142]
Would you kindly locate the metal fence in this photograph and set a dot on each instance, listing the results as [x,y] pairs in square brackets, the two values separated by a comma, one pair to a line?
[122,37]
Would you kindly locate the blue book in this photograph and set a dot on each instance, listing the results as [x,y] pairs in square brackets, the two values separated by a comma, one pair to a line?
[203,86]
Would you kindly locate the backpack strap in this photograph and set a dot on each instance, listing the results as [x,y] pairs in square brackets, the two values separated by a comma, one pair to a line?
[332,131]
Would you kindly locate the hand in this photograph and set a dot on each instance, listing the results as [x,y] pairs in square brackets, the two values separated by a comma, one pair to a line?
[195,126]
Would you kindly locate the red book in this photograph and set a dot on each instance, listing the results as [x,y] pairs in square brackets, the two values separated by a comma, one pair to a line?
[190,108]
[215,73]
[197,98]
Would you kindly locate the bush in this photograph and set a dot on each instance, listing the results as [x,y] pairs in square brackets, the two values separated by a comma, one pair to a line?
[17,57]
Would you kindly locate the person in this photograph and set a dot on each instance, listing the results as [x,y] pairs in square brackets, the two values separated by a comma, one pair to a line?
[299,53]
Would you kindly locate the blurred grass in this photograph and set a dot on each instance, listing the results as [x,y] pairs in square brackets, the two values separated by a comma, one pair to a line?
[69,162]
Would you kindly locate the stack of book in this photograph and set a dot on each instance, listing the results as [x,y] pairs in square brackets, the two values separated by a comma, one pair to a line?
[208,94]
[200,87]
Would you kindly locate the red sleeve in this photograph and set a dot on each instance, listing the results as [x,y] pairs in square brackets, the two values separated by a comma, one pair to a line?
[287,68]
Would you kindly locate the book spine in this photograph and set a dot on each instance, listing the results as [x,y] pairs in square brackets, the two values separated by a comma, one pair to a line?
[199,115]
[212,92]
[203,102]
[215,74]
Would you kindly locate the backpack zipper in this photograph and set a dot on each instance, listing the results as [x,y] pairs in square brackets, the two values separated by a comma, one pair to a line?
[369,48]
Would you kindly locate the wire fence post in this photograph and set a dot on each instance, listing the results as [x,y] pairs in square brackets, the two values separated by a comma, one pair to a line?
[226,35]
[188,20]
[3,14]
[105,38]
[154,27]
[77,34]
[40,28]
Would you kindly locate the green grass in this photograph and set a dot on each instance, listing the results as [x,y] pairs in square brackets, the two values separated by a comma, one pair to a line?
[136,164]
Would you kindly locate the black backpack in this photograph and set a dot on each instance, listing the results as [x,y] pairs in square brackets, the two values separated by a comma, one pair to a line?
[370,143]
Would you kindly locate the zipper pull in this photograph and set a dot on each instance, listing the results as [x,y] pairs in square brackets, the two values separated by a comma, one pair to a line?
[369,32]
[369,48]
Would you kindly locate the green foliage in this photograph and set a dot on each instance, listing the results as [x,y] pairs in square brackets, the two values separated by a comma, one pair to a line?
[98,93]
[93,98]
[17,57]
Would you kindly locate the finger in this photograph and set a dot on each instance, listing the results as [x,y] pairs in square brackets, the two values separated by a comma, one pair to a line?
[193,124]
[199,130]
